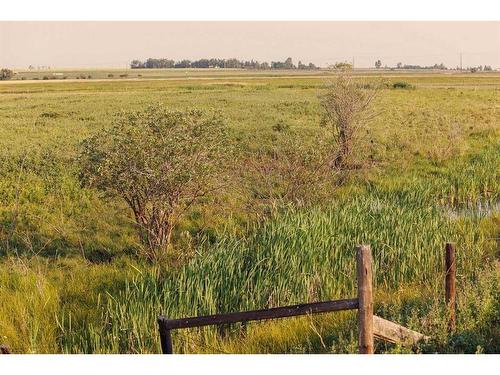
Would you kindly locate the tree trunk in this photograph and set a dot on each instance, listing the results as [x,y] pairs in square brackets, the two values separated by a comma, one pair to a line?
[159,237]
[344,143]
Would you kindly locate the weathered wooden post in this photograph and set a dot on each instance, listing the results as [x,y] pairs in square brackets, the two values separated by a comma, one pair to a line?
[165,337]
[365,299]
[451,274]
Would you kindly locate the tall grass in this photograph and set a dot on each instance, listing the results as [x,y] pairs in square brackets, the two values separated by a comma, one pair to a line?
[296,256]
[470,182]
[28,306]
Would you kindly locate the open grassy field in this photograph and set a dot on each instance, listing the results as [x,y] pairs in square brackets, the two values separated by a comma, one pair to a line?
[72,279]
[435,77]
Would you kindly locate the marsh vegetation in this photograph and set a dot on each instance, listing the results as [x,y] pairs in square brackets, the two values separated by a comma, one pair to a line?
[280,229]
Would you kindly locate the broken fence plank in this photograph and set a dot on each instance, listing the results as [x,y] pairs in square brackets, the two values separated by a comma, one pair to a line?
[393,332]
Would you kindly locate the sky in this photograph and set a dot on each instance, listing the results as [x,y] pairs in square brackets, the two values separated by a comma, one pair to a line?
[67,44]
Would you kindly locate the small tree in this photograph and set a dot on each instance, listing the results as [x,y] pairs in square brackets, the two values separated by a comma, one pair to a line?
[136,64]
[342,66]
[288,64]
[378,64]
[160,162]
[346,107]
[6,74]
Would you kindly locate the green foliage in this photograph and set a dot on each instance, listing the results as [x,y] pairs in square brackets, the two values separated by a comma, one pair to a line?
[160,162]
[402,85]
[342,66]
[6,74]
[29,305]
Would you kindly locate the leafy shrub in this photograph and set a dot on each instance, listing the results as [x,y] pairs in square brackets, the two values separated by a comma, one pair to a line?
[160,162]
[402,85]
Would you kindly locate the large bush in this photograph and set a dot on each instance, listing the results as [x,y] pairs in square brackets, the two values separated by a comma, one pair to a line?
[160,162]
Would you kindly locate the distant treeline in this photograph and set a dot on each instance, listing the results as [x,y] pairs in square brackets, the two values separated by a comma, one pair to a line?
[441,66]
[435,66]
[218,63]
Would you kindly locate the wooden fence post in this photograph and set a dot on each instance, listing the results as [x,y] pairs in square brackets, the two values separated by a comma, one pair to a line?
[165,338]
[451,273]
[365,299]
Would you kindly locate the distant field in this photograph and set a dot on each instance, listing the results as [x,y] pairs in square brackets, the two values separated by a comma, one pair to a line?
[72,279]
[422,76]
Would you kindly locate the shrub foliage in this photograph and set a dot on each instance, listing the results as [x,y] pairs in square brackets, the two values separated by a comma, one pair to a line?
[160,162]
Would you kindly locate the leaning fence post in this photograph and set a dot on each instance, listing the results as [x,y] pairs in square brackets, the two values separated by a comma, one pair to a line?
[365,299]
[451,274]
[165,337]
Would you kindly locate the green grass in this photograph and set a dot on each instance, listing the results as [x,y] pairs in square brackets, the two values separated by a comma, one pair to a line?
[296,256]
[75,283]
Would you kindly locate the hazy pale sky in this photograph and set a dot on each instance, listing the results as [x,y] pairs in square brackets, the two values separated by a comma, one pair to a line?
[115,44]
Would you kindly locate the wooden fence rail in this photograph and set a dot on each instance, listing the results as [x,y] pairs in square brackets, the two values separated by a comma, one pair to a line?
[278,312]
[369,325]
[264,314]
